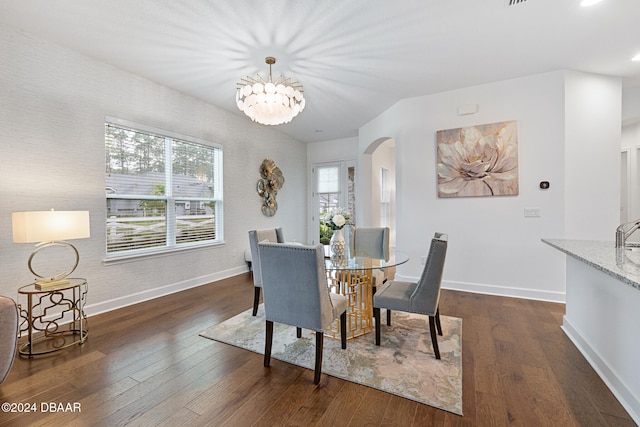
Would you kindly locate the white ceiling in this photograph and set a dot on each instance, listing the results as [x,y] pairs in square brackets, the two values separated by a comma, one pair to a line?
[354,58]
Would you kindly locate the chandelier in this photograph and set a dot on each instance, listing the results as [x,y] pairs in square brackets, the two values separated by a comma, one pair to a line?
[270,102]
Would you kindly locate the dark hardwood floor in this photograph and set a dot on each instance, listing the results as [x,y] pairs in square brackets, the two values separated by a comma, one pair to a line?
[146,365]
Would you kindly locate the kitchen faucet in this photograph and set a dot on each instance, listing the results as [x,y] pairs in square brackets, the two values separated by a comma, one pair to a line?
[624,231]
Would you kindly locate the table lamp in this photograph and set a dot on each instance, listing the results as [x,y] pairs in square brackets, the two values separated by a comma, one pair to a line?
[50,228]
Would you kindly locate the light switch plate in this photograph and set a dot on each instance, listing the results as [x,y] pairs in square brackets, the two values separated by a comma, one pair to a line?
[531,212]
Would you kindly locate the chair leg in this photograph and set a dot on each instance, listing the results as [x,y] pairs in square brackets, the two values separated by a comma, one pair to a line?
[267,343]
[373,294]
[438,321]
[434,339]
[376,314]
[256,299]
[388,317]
[318,368]
[343,330]
[298,332]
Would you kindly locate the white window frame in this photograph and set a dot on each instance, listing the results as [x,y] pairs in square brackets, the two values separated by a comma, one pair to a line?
[171,219]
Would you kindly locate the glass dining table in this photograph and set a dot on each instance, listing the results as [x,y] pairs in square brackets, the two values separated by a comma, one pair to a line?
[351,275]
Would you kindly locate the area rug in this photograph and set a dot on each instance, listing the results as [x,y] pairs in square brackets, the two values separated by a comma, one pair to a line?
[404,363]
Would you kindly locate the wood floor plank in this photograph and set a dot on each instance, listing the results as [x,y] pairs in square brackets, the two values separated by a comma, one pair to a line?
[272,381]
[311,410]
[235,380]
[179,401]
[161,386]
[429,416]
[31,385]
[491,410]
[372,413]
[146,365]
[90,403]
[285,406]
[399,413]
[343,407]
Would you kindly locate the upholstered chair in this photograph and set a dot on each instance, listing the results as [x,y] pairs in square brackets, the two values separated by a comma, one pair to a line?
[347,233]
[8,335]
[422,297]
[374,242]
[295,292]
[272,235]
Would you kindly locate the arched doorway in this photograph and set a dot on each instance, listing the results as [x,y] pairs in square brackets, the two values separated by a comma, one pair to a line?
[380,159]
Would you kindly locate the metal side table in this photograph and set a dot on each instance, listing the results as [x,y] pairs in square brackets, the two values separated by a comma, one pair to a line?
[53,318]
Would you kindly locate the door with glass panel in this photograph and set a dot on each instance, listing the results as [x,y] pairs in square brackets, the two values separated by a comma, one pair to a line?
[334,187]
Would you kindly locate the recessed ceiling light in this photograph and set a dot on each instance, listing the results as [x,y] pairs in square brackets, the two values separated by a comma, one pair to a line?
[586,3]
[636,58]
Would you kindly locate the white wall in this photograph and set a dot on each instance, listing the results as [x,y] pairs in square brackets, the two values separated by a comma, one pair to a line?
[631,143]
[53,108]
[592,156]
[332,150]
[493,247]
[630,105]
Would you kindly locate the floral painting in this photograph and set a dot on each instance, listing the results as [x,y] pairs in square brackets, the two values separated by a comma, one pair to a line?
[478,160]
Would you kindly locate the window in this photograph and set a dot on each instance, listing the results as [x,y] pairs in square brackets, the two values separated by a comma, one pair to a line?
[328,187]
[163,191]
[334,187]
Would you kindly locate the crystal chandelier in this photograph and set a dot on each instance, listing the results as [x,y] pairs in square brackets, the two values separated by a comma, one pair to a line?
[270,102]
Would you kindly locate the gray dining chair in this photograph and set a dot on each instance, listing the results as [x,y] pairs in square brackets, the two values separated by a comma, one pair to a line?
[272,235]
[422,297]
[373,242]
[295,292]
[8,335]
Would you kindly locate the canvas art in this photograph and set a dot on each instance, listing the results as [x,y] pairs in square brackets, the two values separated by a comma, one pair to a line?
[478,160]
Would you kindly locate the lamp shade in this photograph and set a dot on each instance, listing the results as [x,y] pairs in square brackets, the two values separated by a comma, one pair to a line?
[49,226]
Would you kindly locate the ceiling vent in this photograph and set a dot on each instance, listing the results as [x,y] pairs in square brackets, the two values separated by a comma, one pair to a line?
[514,2]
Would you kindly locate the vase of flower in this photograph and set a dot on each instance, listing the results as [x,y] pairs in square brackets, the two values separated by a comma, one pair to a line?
[338,244]
[334,220]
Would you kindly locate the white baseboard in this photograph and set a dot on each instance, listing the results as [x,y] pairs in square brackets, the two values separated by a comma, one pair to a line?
[626,397]
[481,288]
[127,300]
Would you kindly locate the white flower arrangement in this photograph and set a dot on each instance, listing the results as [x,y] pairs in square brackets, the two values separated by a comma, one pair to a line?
[336,218]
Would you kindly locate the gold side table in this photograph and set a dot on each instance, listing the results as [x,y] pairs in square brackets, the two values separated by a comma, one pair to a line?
[53,319]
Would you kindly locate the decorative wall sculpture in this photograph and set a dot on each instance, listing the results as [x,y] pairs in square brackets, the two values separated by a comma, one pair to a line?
[478,160]
[272,180]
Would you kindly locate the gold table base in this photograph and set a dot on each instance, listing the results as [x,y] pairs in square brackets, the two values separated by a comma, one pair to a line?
[356,286]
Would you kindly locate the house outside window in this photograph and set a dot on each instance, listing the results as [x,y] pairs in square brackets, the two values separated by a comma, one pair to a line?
[334,187]
[163,190]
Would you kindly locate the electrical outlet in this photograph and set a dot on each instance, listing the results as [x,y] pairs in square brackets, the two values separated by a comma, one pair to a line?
[531,212]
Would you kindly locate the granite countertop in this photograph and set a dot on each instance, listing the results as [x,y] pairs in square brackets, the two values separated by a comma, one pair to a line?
[623,264]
